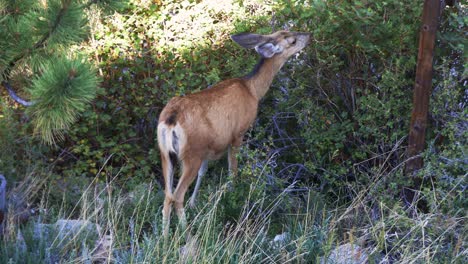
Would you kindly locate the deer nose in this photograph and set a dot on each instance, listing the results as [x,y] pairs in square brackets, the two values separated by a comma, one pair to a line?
[305,36]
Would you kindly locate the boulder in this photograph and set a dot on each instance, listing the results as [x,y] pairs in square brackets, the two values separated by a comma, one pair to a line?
[347,253]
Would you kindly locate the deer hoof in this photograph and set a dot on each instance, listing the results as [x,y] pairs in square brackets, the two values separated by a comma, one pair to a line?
[192,203]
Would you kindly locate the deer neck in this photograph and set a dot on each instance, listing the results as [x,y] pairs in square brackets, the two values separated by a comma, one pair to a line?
[260,79]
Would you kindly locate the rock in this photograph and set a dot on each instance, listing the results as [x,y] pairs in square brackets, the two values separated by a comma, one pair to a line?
[347,253]
[66,236]
[73,228]
[281,237]
[280,240]
[42,232]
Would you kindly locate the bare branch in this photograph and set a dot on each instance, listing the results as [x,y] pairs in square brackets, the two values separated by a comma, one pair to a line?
[15,96]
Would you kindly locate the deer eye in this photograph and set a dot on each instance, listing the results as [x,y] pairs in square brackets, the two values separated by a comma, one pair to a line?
[293,42]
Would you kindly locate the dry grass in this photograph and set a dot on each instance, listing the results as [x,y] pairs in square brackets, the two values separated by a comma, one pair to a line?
[128,229]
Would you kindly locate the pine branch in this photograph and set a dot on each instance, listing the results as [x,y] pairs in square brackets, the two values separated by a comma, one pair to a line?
[54,27]
[15,96]
[38,45]
[62,92]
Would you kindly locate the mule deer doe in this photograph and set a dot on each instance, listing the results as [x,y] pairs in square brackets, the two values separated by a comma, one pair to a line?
[201,126]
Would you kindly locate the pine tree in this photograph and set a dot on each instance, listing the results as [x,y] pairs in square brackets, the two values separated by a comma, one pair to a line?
[36,37]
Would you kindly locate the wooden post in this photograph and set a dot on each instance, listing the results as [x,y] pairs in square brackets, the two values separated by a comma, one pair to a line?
[422,86]
[422,91]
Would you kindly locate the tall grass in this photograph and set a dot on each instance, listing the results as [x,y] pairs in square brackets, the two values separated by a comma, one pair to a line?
[129,230]
[132,222]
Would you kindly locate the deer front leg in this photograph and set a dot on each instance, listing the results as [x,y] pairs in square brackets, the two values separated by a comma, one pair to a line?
[232,153]
[201,172]
[232,160]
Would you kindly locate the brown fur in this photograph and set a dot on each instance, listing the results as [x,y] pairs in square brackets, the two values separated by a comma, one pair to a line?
[210,130]
[203,125]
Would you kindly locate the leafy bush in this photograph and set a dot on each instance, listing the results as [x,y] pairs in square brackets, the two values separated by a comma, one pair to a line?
[154,53]
[355,87]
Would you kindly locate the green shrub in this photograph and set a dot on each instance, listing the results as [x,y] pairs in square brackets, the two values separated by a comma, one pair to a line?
[147,57]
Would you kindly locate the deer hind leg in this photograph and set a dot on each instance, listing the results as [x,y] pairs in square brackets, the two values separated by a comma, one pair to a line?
[168,172]
[201,172]
[190,167]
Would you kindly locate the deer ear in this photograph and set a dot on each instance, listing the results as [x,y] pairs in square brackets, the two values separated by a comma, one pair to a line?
[248,40]
[268,50]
